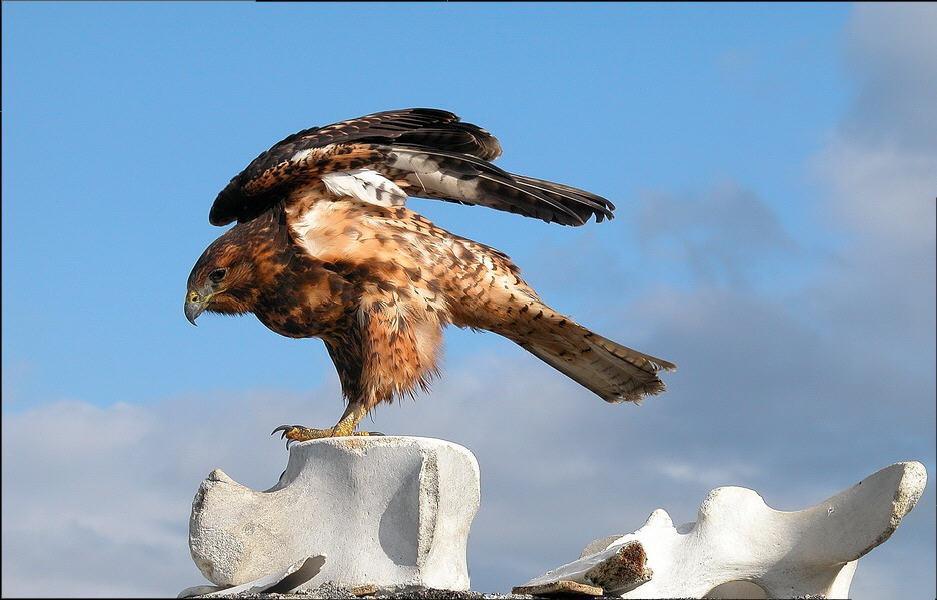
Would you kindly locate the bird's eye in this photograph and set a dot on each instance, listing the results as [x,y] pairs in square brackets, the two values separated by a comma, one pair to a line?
[217,275]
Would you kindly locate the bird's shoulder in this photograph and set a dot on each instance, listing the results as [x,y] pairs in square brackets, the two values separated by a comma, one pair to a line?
[332,229]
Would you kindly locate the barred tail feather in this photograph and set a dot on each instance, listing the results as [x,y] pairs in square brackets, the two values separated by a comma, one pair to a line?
[614,372]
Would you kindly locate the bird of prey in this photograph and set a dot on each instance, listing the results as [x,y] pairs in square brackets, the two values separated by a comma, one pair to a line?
[325,247]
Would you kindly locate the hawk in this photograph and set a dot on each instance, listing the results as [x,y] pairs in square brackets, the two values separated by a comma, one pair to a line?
[325,247]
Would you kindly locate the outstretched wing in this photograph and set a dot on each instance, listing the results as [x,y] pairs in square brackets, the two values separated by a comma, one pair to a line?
[420,152]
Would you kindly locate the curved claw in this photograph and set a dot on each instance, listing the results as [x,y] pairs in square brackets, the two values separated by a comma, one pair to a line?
[283,429]
[298,433]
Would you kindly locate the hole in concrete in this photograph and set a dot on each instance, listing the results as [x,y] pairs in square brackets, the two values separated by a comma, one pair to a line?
[737,589]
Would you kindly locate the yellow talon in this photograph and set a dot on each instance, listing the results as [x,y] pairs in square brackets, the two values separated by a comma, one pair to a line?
[345,427]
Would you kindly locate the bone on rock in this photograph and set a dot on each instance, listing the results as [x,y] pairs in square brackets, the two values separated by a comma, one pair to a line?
[739,547]
[388,511]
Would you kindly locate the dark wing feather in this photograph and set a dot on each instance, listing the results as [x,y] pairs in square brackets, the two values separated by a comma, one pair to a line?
[465,179]
[432,150]
[417,126]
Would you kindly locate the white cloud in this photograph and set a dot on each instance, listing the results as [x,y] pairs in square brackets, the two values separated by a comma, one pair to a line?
[723,234]
[883,192]
[890,49]
[880,172]
[837,372]
[882,163]
[706,473]
[559,468]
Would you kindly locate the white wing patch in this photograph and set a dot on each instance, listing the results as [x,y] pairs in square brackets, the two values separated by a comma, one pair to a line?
[365,185]
[424,173]
[302,154]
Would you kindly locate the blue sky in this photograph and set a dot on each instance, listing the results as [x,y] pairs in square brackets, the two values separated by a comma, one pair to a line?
[157,107]
[774,174]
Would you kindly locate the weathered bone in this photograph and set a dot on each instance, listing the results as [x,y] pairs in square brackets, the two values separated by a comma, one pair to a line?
[390,511]
[288,579]
[740,547]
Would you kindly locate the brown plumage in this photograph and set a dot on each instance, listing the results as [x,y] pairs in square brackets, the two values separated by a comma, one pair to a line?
[325,248]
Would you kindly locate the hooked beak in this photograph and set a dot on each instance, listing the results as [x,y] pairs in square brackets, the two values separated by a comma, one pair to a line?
[194,306]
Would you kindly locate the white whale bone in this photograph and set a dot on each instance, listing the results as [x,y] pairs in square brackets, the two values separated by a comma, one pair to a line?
[741,547]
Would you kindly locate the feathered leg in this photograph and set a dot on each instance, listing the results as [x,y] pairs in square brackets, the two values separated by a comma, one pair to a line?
[398,353]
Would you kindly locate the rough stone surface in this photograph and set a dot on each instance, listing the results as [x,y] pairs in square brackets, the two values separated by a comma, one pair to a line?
[739,547]
[561,588]
[623,570]
[387,511]
[338,592]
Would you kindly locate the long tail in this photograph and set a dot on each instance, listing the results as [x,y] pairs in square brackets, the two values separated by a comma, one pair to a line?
[615,372]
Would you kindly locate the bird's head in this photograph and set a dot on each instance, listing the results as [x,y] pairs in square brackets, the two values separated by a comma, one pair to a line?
[222,281]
